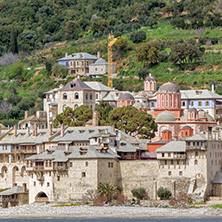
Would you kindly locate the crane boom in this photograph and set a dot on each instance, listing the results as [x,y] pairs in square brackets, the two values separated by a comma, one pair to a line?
[111,42]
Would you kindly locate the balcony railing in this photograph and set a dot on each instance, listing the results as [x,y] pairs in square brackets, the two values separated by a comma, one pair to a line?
[39,168]
[60,168]
[180,156]
[196,148]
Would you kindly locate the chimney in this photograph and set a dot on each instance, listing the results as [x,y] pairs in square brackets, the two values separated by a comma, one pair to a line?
[212,88]
[80,55]
[95,119]
[67,147]
[98,54]
[14,184]
[28,131]
[34,129]
[24,188]
[15,131]
[50,129]
[66,54]
[26,114]
[62,130]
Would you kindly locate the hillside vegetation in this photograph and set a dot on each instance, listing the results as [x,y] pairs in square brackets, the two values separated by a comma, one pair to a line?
[38,32]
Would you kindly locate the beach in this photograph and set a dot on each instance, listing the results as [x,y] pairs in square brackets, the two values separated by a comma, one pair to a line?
[84,211]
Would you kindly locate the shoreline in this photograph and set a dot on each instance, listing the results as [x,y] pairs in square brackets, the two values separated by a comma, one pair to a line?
[46,211]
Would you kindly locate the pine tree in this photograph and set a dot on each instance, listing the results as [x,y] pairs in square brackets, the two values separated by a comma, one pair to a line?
[13,41]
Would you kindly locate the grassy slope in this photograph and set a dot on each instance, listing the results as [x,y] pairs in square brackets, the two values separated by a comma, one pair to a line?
[201,77]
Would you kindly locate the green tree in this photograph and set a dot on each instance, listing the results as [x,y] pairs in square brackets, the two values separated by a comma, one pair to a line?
[17,71]
[164,193]
[133,121]
[59,70]
[148,53]
[121,44]
[70,117]
[48,65]
[139,193]
[103,110]
[13,41]
[138,37]
[143,73]
[149,21]
[107,189]
[70,29]
[184,53]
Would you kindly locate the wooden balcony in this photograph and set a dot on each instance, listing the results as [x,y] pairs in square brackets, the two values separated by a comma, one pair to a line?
[60,168]
[196,148]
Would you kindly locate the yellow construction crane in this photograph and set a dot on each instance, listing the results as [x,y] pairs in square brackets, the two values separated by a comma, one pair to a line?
[111,42]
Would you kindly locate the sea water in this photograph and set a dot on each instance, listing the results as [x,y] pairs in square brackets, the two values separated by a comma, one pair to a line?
[118,220]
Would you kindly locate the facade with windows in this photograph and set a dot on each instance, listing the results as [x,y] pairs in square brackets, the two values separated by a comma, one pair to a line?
[195,162]
[77,63]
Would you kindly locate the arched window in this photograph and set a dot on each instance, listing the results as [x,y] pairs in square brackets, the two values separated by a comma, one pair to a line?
[86,95]
[151,85]
[192,103]
[207,103]
[171,100]
[195,162]
[125,103]
[76,95]
[199,103]
[64,96]
[167,100]
[64,107]
[72,85]
[75,106]
[90,96]
[162,100]
[186,133]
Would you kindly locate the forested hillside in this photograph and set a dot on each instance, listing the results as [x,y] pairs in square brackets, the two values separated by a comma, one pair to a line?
[179,41]
[33,23]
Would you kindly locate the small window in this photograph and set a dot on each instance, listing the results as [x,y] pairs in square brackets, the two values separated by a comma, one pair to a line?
[34,183]
[162,154]
[207,103]
[58,178]
[196,153]
[86,95]
[50,174]
[48,184]
[169,154]
[192,103]
[180,173]
[83,174]
[195,162]
[64,96]
[90,96]
[199,103]
[86,164]
[70,164]
[152,104]
[169,173]
[171,162]
[165,162]
[183,103]
[76,95]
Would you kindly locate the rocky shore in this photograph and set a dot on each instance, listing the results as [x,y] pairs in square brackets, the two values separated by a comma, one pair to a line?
[83,211]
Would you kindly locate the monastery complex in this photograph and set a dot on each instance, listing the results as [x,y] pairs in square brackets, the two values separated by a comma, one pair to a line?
[42,163]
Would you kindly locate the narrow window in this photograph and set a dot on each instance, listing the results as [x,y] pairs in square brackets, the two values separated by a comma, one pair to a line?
[169,173]
[167,100]
[83,174]
[64,96]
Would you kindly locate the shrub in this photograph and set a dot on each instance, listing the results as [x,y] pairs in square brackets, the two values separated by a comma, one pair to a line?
[138,37]
[99,201]
[163,193]
[139,193]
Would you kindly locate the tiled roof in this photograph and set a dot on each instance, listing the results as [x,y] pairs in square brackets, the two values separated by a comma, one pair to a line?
[76,85]
[173,146]
[218,177]
[197,137]
[199,94]
[13,190]
[83,133]
[98,86]
[80,55]
[100,62]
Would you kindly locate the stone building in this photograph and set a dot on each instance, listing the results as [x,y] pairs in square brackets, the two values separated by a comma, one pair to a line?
[100,68]
[15,196]
[29,121]
[77,63]
[73,94]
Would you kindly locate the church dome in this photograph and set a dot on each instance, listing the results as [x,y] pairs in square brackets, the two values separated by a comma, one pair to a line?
[150,78]
[168,88]
[186,127]
[165,116]
[203,115]
[125,96]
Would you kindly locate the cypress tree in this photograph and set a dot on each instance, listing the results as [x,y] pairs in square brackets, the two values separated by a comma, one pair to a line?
[13,41]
